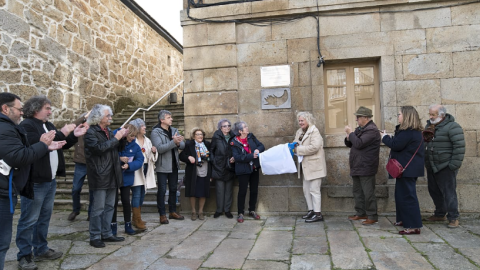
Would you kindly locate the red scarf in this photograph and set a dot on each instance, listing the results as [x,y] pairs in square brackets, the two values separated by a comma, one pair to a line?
[106,132]
[245,144]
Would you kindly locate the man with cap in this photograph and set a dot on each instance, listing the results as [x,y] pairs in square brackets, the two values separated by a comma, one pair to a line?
[364,144]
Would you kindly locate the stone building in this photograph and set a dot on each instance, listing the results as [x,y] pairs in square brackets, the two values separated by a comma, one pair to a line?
[80,53]
[381,54]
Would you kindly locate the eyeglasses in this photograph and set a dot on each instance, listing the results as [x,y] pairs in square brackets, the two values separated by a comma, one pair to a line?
[198,134]
[224,126]
[19,109]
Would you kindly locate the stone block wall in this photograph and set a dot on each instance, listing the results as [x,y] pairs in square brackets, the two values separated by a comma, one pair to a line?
[80,53]
[424,57]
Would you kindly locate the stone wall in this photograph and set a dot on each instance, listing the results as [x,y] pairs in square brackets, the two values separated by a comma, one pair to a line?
[80,53]
[425,57]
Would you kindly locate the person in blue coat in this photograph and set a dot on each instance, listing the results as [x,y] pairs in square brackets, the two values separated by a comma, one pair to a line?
[245,149]
[407,143]
[131,159]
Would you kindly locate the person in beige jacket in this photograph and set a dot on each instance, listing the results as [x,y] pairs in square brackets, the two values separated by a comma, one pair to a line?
[311,164]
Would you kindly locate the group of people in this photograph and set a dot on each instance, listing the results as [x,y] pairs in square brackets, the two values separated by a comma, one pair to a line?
[124,161]
[439,148]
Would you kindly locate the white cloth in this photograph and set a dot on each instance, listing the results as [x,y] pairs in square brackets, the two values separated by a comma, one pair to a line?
[277,160]
[53,158]
[150,158]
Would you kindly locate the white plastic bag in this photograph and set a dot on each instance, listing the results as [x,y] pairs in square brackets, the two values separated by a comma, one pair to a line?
[277,160]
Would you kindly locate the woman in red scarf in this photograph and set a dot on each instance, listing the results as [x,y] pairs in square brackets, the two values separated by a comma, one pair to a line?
[245,150]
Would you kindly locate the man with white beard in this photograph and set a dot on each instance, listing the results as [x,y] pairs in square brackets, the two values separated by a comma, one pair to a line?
[443,157]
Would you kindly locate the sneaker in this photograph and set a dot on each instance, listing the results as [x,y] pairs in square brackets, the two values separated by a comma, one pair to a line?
[240,218]
[435,218]
[254,215]
[49,255]
[453,224]
[26,263]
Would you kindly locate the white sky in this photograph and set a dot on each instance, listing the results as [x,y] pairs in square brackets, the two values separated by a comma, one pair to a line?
[166,13]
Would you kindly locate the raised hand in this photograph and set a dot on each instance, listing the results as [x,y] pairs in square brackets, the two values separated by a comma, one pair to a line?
[55,145]
[80,130]
[48,137]
[177,139]
[120,134]
[67,129]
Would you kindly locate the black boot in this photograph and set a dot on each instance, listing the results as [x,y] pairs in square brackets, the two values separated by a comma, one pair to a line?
[316,217]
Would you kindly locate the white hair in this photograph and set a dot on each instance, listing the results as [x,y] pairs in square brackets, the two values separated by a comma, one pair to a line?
[97,113]
[442,111]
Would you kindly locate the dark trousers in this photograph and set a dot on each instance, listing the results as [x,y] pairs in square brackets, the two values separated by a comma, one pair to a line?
[406,202]
[127,209]
[243,183]
[5,226]
[364,194]
[162,179]
[442,187]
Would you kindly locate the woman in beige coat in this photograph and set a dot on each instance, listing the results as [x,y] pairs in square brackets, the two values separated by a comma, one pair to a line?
[312,167]
[144,177]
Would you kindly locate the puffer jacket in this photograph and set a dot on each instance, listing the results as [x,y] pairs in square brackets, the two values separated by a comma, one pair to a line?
[132,149]
[364,146]
[164,147]
[242,158]
[447,149]
[221,154]
[18,154]
[103,163]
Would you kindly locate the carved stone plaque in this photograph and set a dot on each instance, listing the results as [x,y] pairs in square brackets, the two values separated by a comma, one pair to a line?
[276,98]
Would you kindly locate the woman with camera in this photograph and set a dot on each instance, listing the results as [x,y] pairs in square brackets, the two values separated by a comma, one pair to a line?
[408,149]
[198,171]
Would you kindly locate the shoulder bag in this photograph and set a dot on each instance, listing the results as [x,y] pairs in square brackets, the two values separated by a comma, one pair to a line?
[395,169]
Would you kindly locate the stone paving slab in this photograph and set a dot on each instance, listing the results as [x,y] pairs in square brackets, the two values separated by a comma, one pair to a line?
[458,238]
[262,265]
[280,221]
[471,253]
[272,245]
[310,262]
[214,224]
[339,224]
[347,250]
[198,245]
[247,230]
[310,245]
[175,264]
[393,244]
[444,257]
[80,261]
[426,235]
[130,257]
[225,258]
[399,261]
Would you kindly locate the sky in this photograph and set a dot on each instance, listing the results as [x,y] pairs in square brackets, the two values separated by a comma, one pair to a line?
[166,13]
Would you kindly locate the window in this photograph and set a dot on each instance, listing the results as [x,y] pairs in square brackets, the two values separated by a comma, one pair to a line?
[347,87]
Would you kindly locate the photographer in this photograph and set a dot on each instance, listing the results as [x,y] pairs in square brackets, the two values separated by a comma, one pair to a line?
[198,172]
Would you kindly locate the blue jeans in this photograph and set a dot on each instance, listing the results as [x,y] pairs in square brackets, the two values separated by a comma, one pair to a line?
[162,179]
[78,179]
[138,195]
[5,227]
[34,220]
[102,213]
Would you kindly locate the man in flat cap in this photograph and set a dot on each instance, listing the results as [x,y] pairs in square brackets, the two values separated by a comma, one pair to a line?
[364,144]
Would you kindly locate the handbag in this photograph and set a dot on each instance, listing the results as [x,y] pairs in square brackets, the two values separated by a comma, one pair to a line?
[395,169]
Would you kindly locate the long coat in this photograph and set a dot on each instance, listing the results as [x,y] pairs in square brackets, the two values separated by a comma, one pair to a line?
[191,169]
[148,181]
[103,162]
[311,148]
[403,145]
[365,150]
[221,154]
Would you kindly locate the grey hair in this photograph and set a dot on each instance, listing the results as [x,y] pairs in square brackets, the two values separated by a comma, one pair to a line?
[97,114]
[138,123]
[442,111]
[308,117]
[237,127]
[162,114]
[219,124]
[34,105]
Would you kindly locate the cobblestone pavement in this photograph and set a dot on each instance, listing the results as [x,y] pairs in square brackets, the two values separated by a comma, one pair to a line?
[274,242]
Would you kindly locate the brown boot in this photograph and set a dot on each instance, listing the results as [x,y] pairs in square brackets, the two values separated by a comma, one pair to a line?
[140,219]
[163,219]
[137,218]
[174,215]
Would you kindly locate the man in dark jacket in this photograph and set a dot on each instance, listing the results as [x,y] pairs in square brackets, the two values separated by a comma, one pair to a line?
[34,220]
[443,157]
[364,157]
[16,157]
[104,173]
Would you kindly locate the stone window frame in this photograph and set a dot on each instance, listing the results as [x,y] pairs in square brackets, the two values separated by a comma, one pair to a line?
[350,92]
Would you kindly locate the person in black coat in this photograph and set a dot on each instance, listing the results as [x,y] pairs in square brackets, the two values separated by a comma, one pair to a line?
[223,167]
[198,171]
[245,149]
[407,143]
